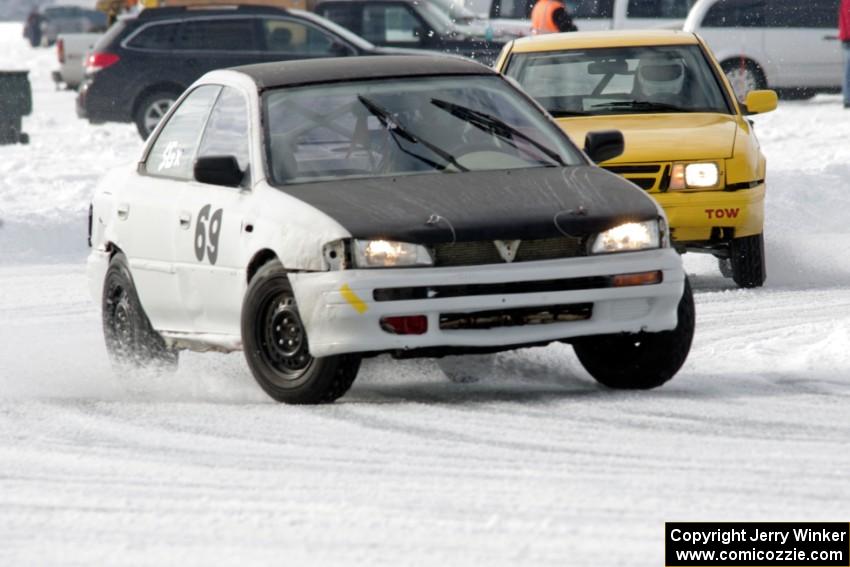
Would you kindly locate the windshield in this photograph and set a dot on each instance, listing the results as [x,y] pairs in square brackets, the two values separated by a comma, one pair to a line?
[408,126]
[625,80]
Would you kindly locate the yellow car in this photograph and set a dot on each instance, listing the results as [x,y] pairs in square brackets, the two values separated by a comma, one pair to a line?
[688,141]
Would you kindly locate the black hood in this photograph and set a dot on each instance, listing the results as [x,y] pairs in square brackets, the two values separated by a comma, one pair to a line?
[514,204]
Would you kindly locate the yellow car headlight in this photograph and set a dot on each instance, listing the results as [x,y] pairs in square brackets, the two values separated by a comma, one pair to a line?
[628,237]
[694,176]
[389,254]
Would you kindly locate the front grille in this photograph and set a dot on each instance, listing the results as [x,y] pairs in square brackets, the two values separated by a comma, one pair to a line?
[485,251]
[649,177]
[511,288]
[504,288]
[480,320]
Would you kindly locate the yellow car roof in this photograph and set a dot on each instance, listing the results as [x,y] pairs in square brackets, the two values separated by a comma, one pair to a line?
[595,39]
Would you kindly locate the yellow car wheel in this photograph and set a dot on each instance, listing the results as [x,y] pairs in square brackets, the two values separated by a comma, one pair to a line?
[746,255]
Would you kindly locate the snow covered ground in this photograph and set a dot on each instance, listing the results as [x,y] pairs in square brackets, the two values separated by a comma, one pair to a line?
[532,465]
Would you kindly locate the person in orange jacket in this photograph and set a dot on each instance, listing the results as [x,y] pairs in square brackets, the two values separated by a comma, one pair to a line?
[551,16]
[844,34]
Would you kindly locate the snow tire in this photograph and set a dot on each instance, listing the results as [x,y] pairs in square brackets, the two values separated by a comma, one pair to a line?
[748,262]
[131,341]
[276,347]
[640,361]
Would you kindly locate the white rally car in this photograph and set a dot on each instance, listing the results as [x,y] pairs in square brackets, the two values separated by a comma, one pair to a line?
[313,213]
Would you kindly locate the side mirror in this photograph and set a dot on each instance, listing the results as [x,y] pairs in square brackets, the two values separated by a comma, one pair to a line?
[219,170]
[604,145]
[759,102]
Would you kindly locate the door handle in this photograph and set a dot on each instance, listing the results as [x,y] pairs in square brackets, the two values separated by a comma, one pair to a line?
[123,211]
[185,220]
[831,37]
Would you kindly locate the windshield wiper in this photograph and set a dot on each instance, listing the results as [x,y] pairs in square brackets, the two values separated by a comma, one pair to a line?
[395,128]
[493,125]
[647,105]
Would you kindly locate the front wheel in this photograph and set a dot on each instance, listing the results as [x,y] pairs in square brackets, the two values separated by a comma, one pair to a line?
[746,255]
[640,361]
[276,347]
[131,341]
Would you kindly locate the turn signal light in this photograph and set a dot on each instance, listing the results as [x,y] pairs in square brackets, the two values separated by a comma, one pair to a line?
[677,177]
[408,325]
[642,278]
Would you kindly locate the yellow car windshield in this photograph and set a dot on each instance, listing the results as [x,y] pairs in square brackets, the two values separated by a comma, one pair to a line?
[623,80]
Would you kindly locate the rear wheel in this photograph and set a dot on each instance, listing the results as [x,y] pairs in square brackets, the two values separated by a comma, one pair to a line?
[640,361]
[746,256]
[131,341]
[745,76]
[276,347]
[152,109]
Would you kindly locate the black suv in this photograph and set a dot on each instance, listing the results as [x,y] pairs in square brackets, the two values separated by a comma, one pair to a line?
[411,24]
[143,63]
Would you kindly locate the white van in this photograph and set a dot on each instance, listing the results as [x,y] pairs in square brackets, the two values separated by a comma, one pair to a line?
[512,16]
[777,44]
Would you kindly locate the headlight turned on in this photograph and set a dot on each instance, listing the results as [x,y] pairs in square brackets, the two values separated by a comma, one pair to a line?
[389,254]
[694,176]
[628,237]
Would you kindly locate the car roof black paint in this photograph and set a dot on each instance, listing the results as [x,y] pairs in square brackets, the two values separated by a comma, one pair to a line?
[343,69]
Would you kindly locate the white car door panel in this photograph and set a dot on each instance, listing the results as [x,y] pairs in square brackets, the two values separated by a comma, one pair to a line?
[213,238]
[143,211]
[211,256]
[804,39]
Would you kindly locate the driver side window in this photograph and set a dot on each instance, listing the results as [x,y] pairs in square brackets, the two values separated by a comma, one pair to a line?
[173,153]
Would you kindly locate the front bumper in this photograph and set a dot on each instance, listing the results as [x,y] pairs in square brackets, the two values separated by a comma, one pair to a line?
[693,215]
[341,315]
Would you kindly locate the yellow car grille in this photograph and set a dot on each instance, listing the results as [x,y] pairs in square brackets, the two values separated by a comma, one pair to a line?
[651,177]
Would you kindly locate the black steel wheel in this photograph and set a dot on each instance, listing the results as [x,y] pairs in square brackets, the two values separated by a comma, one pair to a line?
[277,348]
[640,361]
[131,341]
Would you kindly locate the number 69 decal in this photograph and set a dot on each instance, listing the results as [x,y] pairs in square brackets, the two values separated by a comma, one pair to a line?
[207,233]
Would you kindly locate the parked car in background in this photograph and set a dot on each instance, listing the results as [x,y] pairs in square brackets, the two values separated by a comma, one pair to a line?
[69,19]
[71,51]
[512,16]
[689,143]
[314,213]
[144,62]
[787,45]
[410,24]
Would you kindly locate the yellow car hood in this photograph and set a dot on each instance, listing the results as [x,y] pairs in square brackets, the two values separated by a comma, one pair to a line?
[662,137]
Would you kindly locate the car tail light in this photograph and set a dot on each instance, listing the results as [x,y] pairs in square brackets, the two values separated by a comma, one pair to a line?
[60,50]
[98,61]
[409,325]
